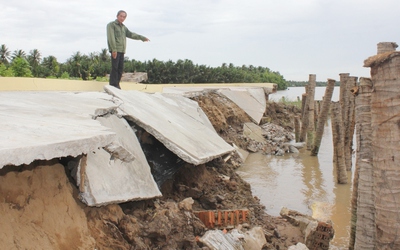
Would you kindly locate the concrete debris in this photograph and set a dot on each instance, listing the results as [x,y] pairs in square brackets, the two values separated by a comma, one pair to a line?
[218,240]
[293,149]
[186,204]
[188,138]
[317,234]
[44,125]
[118,151]
[273,131]
[298,246]
[254,239]
[254,132]
[298,145]
[279,152]
[269,138]
[235,239]
[119,176]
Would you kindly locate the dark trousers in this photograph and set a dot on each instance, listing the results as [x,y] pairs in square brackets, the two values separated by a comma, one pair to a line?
[117,68]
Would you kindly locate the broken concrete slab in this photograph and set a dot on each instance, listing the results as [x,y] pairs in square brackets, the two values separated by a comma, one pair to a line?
[109,178]
[259,94]
[188,138]
[190,107]
[254,132]
[47,125]
[251,100]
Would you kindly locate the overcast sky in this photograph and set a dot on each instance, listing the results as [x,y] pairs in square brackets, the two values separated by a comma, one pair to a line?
[293,37]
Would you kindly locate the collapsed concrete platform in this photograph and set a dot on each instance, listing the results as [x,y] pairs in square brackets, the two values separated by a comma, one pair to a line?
[180,132]
[42,119]
[48,125]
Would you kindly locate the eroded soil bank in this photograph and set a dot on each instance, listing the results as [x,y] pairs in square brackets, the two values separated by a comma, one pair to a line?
[40,207]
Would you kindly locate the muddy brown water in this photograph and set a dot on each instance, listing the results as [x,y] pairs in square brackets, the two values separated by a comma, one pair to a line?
[303,183]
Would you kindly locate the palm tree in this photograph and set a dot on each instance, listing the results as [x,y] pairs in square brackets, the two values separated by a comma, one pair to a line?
[51,66]
[105,63]
[104,56]
[19,54]
[4,54]
[34,59]
[75,64]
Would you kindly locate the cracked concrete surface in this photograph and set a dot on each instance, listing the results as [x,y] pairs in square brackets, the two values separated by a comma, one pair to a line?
[47,125]
[188,138]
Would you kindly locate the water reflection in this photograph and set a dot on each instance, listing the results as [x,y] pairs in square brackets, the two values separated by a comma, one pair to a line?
[304,183]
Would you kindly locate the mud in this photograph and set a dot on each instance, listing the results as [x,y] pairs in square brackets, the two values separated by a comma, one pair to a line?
[40,207]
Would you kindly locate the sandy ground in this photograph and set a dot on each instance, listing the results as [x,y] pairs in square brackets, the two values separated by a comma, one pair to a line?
[40,208]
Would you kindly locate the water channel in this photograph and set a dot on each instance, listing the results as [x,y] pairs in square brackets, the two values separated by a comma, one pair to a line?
[302,182]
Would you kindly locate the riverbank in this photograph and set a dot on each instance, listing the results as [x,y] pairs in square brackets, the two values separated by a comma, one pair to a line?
[44,208]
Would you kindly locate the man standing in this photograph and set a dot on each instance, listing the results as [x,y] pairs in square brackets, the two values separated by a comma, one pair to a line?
[117,33]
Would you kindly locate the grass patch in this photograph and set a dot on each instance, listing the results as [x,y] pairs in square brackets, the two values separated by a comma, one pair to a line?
[288,102]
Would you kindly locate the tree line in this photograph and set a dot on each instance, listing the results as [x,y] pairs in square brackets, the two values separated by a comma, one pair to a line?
[304,83]
[96,66]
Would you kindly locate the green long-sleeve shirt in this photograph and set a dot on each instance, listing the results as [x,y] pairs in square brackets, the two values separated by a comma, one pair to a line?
[117,34]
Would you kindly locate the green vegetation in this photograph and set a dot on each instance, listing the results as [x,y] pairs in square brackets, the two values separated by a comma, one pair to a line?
[96,66]
[20,67]
[287,102]
[304,83]
[4,71]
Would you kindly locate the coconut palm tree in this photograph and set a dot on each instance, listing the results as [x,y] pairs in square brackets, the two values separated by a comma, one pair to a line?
[19,54]
[104,55]
[34,58]
[4,54]
[51,66]
[75,63]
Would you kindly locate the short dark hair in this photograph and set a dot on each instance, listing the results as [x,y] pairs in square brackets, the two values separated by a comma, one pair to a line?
[121,11]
